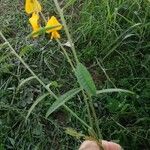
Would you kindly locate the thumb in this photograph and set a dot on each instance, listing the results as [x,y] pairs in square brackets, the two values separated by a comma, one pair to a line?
[92,145]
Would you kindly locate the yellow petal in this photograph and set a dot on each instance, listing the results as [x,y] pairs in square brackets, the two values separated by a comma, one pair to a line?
[37,6]
[28,6]
[32,6]
[34,22]
[55,35]
[53,22]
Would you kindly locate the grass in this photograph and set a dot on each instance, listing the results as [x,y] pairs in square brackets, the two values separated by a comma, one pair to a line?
[112,40]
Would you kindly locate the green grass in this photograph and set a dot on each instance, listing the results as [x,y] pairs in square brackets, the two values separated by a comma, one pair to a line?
[112,39]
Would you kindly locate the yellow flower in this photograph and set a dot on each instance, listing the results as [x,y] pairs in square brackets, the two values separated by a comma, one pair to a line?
[54,22]
[34,23]
[32,6]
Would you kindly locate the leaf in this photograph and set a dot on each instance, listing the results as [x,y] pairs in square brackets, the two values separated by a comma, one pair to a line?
[128,35]
[5,68]
[35,103]
[113,90]
[62,100]
[74,133]
[25,50]
[85,79]
[3,58]
[25,81]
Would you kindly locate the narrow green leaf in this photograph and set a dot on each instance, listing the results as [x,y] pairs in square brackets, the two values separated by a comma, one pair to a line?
[35,103]
[25,50]
[25,81]
[62,100]
[74,133]
[113,90]
[3,57]
[85,79]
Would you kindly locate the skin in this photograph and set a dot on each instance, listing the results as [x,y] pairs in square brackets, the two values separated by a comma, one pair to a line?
[92,145]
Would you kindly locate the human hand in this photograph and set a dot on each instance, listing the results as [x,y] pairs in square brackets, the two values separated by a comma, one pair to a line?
[92,145]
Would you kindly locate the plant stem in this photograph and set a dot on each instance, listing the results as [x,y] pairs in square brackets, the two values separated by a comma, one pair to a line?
[74,114]
[40,81]
[95,117]
[88,109]
[43,17]
[69,60]
[66,29]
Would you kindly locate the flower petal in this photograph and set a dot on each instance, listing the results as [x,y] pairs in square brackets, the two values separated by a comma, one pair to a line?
[55,35]
[53,22]
[32,6]
[34,22]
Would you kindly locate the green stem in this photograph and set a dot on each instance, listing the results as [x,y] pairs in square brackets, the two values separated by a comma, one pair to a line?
[88,109]
[95,117]
[66,29]
[43,17]
[40,81]
[69,60]
[74,114]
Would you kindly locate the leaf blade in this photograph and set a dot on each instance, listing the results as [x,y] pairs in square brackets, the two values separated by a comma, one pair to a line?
[25,81]
[85,79]
[39,99]
[113,90]
[62,100]
[74,133]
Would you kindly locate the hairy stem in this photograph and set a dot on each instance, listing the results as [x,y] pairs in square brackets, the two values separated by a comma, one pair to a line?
[88,109]
[43,17]
[95,117]
[64,51]
[66,29]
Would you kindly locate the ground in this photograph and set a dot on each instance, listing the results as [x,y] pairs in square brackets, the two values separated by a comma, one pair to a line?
[112,39]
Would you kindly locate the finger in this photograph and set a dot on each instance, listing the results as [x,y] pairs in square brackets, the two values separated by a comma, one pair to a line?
[110,145]
[89,145]
[92,145]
